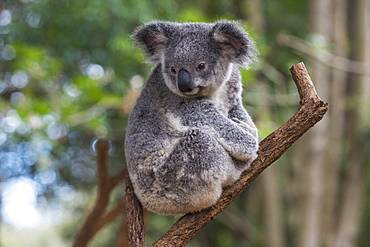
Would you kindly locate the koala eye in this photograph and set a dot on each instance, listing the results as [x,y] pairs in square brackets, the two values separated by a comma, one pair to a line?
[173,70]
[201,66]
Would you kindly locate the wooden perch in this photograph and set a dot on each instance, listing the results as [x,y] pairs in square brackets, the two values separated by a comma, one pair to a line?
[135,217]
[271,148]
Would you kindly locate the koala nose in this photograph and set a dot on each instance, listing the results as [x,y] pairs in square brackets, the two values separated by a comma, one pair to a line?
[184,81]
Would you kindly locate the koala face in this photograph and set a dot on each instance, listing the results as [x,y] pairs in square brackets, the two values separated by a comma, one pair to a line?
[192,65]
[196,58]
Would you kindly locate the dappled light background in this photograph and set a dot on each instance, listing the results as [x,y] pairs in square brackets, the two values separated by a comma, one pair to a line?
[69,74]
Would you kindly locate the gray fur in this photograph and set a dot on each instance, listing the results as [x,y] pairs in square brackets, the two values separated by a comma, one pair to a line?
[182,147]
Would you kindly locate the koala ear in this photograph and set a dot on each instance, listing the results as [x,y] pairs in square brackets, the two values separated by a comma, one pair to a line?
[235,43]
[152,38]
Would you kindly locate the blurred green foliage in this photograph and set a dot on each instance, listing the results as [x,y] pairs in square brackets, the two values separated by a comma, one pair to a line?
[65,75]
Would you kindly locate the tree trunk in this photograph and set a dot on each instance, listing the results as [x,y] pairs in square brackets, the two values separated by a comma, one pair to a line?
[357,114]
[273,208]
[252,12]
[336,130]
[317,148]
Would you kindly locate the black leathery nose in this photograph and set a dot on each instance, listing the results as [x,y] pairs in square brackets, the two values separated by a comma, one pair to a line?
[184,81]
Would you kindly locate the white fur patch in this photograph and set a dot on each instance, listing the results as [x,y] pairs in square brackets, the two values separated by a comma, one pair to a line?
[228,73]
[220,96]
[175,122]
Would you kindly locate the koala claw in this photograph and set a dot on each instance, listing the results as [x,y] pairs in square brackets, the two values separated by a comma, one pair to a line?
[242,124]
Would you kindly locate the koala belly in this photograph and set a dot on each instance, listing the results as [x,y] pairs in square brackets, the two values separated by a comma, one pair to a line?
[190,178]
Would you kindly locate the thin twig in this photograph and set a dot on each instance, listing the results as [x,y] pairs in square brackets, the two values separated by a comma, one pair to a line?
[323,56]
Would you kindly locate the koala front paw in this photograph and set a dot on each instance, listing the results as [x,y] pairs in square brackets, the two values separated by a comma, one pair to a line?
[244,125]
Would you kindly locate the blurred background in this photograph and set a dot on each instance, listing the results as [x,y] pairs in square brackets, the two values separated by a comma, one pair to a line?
[69,74]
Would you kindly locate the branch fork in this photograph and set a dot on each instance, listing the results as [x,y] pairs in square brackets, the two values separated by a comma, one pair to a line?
[311,111]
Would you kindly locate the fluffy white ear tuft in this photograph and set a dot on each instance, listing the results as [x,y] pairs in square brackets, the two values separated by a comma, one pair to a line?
[235,43]
[152,38]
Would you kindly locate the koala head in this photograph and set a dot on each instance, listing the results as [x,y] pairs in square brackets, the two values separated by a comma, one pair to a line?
[196,58]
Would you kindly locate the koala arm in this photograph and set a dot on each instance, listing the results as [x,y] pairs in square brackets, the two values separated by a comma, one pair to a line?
[238,140]
[149,139]
[239,115]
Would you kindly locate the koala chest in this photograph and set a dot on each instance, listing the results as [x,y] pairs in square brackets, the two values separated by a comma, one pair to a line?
[220,99]
[175,123]
[180,120]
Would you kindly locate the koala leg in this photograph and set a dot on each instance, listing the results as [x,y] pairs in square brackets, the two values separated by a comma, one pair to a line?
[192,177]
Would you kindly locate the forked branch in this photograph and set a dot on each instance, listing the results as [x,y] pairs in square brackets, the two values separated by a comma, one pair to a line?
[312,110]
[99,217]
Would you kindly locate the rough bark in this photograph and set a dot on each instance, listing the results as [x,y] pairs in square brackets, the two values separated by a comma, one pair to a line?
[135,218]
[272,147]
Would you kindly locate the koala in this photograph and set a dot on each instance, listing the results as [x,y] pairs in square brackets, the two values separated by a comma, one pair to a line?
[188,134]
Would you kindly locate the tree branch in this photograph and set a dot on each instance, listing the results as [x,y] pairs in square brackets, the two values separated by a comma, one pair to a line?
[323,56]
[97,218]
[135,217]
[271,148]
